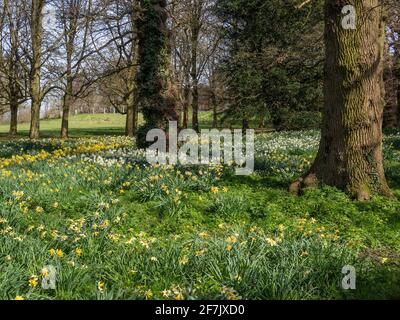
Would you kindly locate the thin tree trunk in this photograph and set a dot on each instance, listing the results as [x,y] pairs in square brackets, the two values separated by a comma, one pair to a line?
[195,29]
[132,112]
[350,153]
[215,110]
[66,110]
[186,97]
[14,117]
[245,124]
[390,114]
[195,105]
[397,80]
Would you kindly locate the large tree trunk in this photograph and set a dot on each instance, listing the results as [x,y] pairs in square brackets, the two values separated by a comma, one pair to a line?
[35,88]
[350,152]
[156,93]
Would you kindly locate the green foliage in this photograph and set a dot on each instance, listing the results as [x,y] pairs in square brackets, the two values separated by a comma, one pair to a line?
[275,57]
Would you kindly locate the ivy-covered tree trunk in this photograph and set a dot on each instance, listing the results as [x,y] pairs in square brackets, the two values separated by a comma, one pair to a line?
[155,90]
[350,153]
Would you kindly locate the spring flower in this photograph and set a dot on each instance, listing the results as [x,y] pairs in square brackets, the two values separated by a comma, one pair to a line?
[304,254]
[19,298]
[204,234]
[184,260]
[78,252]
[101,286]
[59,253]
[200,253]
[232,239]
[149,295]
[179,297]
[39,210]
[271,242]
[166,293]
[214,190]
[33,281]
[45,272]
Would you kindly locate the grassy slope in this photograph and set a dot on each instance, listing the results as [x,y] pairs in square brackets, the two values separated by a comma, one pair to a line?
[88,125]
[81,125]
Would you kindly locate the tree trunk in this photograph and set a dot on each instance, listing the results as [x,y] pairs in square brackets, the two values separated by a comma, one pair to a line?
[132,112]
[350,153]
[66,110]
[186,97]
[195,105]
[156,93]
[14,117]
[35,88]
[245,124]
[215,109]
[390,114]
[396,73]
[195,33]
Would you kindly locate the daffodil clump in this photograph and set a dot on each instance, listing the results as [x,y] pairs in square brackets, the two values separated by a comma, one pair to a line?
[113,226]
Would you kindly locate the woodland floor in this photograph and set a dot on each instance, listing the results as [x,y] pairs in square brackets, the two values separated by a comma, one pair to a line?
[114,227]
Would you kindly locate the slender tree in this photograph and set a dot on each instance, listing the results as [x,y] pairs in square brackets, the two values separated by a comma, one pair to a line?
[12,62]
[350,152]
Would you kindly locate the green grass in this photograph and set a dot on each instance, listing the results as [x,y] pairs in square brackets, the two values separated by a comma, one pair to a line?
[86,125]
[128,230]
[80,125]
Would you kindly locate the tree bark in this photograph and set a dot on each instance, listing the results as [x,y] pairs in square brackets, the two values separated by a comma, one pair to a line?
[186,97]
[390,113]
[350,153]
[132,112]
[194,71]
[66,109]
[156,92]
[35,88]
[195,105]
[14,117]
